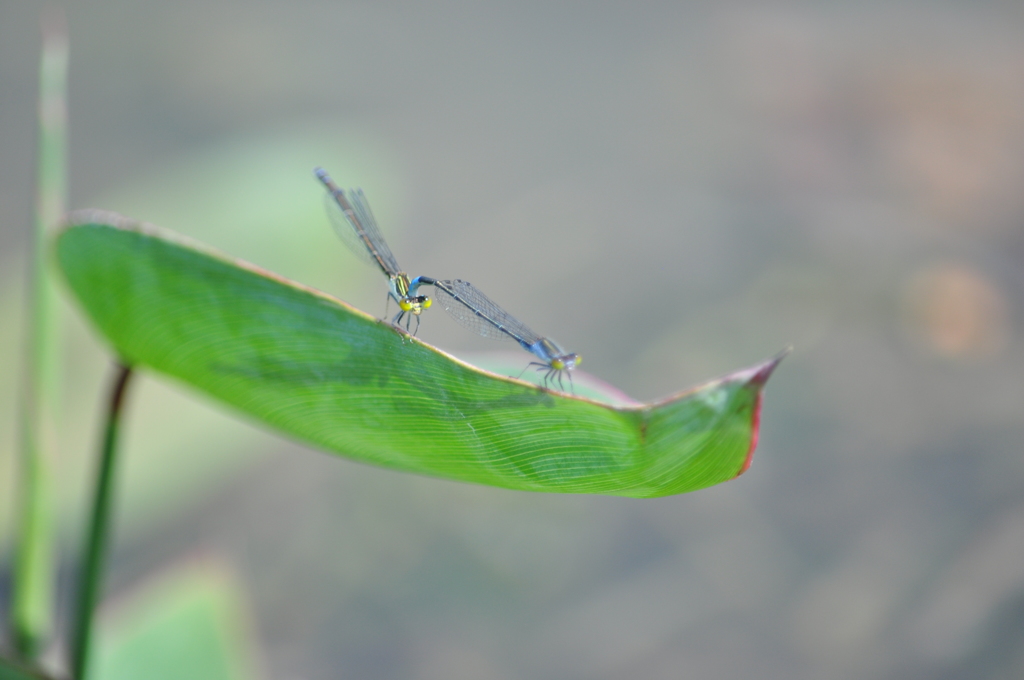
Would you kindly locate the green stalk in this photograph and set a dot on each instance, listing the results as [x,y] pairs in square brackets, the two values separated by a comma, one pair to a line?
[91,568]
[34,568]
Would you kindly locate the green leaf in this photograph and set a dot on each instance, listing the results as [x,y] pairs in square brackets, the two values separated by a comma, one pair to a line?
[9,670]
[188,623]
[313,367]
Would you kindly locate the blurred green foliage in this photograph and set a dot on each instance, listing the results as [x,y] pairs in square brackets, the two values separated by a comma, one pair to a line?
[190,622]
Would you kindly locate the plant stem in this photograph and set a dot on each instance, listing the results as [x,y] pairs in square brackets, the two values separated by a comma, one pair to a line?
[91,570]
[32,599]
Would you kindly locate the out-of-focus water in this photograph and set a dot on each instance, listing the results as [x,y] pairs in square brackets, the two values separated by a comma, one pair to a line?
[674,191]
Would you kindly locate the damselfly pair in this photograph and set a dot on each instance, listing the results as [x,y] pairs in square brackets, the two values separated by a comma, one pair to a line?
[355,225]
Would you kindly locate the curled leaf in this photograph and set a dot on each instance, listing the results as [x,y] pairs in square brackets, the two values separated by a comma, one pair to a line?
[319,370]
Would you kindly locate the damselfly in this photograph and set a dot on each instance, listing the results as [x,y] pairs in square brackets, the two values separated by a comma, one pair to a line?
[354,223]
[477,312]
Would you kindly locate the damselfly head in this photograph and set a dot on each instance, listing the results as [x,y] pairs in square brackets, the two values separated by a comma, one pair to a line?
[566,362]
[414,304]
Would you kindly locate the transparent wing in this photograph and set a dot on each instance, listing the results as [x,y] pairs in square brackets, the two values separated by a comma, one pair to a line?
[358,230]
[477,312]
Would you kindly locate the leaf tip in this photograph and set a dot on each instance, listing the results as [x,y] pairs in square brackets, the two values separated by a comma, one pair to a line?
[759,376]
[764,371]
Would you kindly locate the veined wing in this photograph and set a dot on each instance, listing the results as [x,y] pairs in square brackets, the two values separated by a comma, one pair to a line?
[355,225]
[477,312]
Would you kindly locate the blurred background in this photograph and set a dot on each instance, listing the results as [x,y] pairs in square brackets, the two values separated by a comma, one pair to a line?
[674,190]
